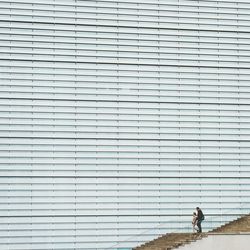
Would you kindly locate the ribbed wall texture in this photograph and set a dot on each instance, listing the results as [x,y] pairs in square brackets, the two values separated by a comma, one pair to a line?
[118,118]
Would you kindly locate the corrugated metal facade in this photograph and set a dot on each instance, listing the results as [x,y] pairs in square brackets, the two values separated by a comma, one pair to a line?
[118,118]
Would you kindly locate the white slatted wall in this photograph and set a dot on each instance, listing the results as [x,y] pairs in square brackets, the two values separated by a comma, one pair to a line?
[118,118]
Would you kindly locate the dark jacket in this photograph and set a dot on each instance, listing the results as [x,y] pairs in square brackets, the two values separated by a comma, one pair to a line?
[200,215]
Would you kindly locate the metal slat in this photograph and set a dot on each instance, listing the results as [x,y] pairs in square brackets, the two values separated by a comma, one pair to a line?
[96,7]
[177,16]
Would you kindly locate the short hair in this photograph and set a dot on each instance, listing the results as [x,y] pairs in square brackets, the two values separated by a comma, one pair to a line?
[197,208]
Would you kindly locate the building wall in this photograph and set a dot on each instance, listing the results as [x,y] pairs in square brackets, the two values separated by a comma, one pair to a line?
[118,118]
[220,242]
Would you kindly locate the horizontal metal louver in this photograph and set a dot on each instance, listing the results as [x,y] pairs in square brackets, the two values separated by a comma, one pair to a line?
[118,118]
